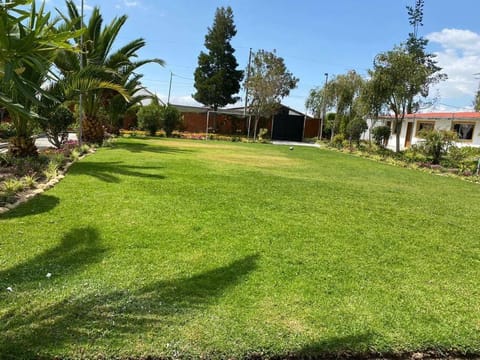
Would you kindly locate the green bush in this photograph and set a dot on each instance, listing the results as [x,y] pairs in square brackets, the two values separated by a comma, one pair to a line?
[55,124]
[437,143]
[381,134]
[171,119]
[150,118]
[51,171]
[338,140]
[12,186]
[414,154]
[355,128]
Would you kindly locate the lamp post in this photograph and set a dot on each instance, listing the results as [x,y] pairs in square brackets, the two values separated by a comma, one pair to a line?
[324,108]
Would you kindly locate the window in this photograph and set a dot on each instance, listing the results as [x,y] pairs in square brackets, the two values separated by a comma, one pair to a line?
[425,126]
[464,130]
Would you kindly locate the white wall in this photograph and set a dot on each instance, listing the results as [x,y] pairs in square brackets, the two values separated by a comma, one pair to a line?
[440,124]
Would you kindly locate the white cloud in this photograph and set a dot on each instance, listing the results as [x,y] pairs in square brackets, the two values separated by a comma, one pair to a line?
[459,58]
[130,3]
[86,7]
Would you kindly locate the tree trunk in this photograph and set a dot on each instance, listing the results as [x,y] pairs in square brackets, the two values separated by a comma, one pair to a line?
[397,135]
[255,129]
[93,131]
[21,146]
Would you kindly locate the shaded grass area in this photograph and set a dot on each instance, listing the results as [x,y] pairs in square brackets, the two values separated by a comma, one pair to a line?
[188,248]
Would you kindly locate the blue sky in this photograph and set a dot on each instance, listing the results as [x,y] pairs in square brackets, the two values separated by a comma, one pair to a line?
[313,36]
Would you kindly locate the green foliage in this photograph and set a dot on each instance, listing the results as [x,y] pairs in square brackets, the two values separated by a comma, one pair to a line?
[12,186]
[29,41]
[355,128]
[216,77]
[7,130]
[399,77]
[415,153]
[338,140]
[150,118]
[74,155]
[381,134]
[29,181]
[437,143]
[84,148]
[464,158]
[51,171]
[105,74]
[27,165]
[171,119]
[55,124]
[268,83]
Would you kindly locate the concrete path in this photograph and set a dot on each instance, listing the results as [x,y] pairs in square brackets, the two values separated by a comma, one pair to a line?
[294,143]
[41,142]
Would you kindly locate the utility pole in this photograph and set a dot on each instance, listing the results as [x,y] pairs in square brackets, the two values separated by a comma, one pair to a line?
[324,108]
[80,102]
[246,82]
[169,88]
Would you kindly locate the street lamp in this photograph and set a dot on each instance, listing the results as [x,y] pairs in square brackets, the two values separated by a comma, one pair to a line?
[324,106]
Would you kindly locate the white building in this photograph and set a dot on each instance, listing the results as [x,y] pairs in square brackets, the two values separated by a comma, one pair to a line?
[465,124]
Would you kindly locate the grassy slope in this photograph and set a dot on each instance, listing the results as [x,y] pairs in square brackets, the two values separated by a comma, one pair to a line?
[175,247]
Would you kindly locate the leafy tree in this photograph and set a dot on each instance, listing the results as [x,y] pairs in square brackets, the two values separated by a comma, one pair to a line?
[150,117]
[399,76]
[171,119]
[216,77]
[371,103]
[346,91]
[342,94]
[269,82]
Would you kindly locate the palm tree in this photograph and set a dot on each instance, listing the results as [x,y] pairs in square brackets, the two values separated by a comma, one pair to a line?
[114,68]
[28,44]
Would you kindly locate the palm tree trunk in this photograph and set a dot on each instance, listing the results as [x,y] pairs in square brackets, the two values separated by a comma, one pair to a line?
[93,131]
[22,146]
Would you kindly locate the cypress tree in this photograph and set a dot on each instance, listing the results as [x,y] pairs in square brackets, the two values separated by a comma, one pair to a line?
[217,79]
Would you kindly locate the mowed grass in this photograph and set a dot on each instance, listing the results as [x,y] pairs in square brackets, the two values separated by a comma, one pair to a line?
[204,249]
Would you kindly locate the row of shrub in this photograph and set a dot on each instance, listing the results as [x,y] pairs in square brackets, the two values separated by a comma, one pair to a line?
[184,135]
[437,152]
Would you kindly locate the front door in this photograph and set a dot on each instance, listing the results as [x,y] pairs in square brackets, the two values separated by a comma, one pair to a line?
[408,136]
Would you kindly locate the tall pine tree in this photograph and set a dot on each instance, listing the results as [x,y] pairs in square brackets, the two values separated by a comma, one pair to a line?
[217,79]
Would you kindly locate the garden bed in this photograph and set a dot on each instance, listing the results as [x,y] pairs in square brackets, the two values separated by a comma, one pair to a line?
[23,178]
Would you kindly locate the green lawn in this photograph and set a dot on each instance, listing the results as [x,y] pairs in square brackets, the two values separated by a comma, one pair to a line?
[190,248]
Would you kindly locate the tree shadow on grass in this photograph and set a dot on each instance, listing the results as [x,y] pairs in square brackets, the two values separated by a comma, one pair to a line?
[78,248]
[138,147]
[78,321]
[111,171]
[38,205]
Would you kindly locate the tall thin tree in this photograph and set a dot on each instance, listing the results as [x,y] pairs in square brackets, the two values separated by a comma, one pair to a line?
[217,79]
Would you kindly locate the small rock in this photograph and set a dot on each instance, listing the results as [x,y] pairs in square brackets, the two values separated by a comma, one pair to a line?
[417,356]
